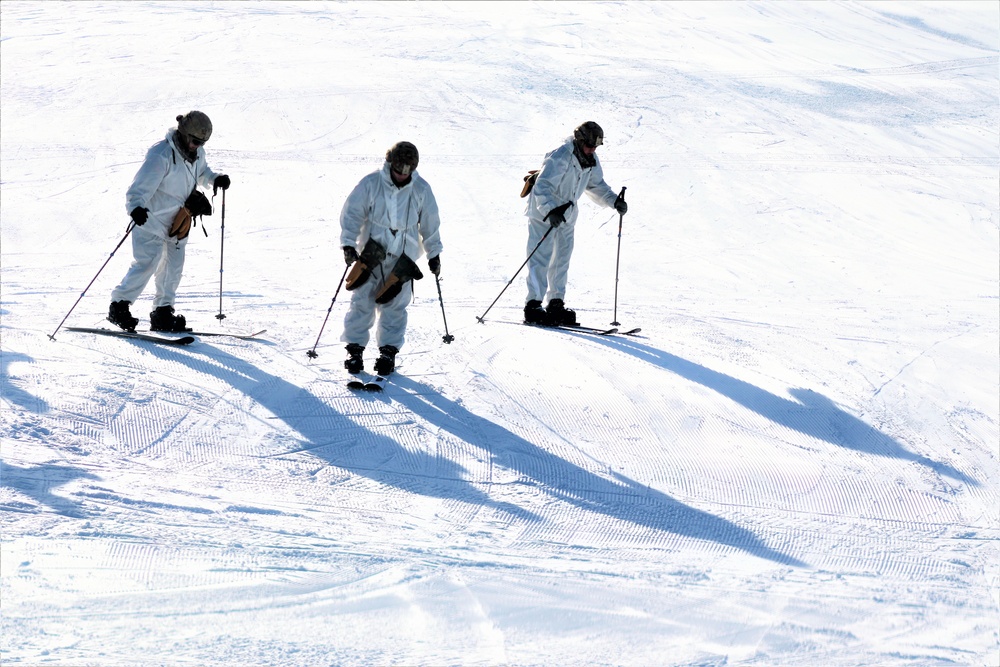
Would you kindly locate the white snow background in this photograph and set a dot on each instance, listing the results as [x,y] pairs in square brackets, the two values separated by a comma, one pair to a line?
[795,462]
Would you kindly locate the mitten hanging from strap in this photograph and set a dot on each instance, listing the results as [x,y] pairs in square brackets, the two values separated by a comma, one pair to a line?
[195,205]
[404,271]
[361,271]
[182,224]
[198,204]
[529,182]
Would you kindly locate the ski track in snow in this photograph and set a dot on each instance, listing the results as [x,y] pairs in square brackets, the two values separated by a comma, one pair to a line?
[795,463]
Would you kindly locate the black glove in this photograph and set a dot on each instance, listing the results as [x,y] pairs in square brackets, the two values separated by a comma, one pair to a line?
[557,216]
[350,254]
[221,181]
[139,215]
[434,264]
[621,206]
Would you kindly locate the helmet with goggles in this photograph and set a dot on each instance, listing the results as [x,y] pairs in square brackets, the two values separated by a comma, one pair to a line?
[195,125]
[589,134]
[403,157]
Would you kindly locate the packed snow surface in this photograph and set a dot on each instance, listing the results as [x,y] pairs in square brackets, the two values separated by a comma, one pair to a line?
[794,463]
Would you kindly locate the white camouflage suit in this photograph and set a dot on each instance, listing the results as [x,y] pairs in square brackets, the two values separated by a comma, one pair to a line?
[402,220]
[560,180]
[161,185]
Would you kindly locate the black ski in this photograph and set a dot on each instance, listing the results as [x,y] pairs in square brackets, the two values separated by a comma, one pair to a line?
[580,328]
[589,330]
[136,335]
[367,382]
[252,336]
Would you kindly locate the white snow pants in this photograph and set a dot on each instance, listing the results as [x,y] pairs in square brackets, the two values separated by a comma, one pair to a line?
[391,316]
[152,255]
[548,268]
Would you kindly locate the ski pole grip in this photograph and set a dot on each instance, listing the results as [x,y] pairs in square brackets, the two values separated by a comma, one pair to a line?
[621,195]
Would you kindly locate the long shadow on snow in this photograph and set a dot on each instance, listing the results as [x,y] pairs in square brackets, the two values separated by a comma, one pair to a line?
[815,415]
[13,393]
[622,498]
[369,454]
[38,481]
[333,437]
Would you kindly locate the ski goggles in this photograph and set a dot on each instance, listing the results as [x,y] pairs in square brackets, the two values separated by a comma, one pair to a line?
[402,168]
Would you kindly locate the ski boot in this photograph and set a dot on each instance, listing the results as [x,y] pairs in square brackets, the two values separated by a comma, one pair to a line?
[386,363]
[120,316]
[354,363]
[163,319]
[533,313]
[559,315]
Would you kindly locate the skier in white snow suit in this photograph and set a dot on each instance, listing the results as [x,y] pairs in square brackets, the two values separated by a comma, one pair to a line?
[389,220]
[566,174]
[161,201]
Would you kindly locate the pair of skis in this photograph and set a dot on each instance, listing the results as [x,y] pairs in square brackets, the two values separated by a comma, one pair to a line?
[163,340]
[366,382]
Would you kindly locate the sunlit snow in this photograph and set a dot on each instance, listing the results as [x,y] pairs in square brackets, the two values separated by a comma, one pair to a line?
[794,463]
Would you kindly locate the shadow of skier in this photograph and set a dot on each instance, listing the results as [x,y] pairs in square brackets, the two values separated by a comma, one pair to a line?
[11,392]
[333,437]
[621,498]
[369,454]
[37,483]
[814,415]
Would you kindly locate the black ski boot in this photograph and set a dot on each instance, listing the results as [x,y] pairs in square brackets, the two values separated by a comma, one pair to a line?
[559,315]
[354,363]
[163,319]
[533,313]
[120,316]
[386,363]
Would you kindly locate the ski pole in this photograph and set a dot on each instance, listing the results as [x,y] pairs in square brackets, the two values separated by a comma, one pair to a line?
[447,336]
[482,318]
[128,231]
[621,216]
[222,248]
[312,354]
[560,210]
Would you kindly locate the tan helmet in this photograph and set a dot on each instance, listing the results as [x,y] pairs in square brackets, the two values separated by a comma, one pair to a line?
[195,124]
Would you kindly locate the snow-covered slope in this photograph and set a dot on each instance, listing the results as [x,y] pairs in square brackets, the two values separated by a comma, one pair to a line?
[794,463]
